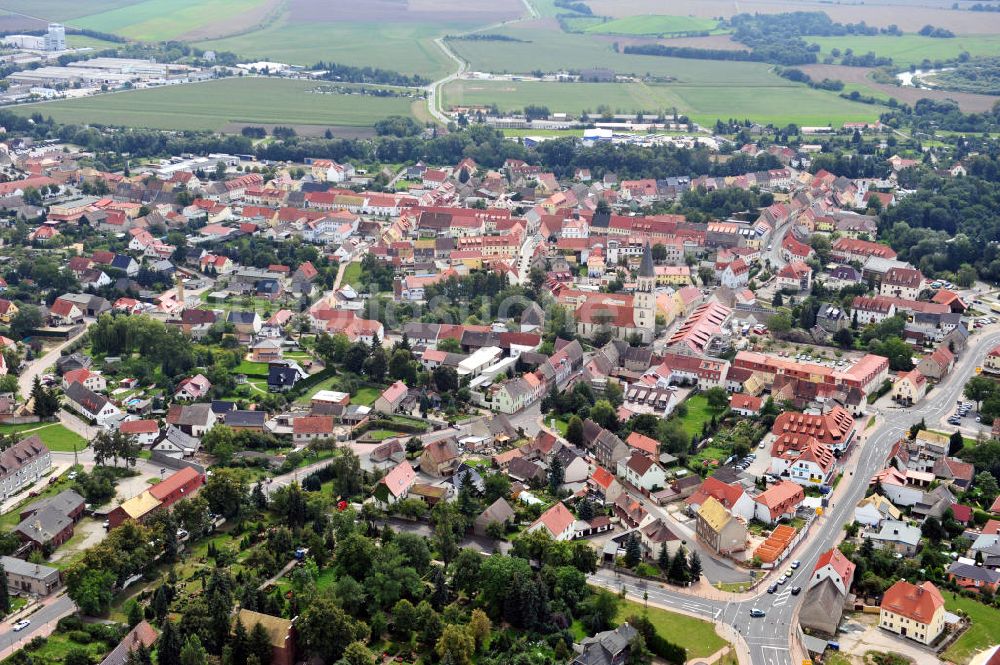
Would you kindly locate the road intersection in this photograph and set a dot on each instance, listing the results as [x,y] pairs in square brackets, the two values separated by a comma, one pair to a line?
[770,640]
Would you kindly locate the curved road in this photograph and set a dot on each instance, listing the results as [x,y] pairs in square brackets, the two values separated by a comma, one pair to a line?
[434,104]
[768,640]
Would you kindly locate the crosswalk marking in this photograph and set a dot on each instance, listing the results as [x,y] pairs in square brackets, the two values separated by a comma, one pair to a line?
[781,598]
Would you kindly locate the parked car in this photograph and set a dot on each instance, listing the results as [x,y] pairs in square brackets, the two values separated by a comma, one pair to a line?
[796,590]
[772,588]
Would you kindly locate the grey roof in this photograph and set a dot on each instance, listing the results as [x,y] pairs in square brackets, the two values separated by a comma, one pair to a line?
[533,315]
[278,375]
[24,569]
[974,572]
[44,525]
[822,608]
[242,317]
[466,473]
[604,648]
[897,531]
[21,453]
[181,439]
[646,268]
[245,418]
[499,511]
[65,502]
[85,397]
[194,414]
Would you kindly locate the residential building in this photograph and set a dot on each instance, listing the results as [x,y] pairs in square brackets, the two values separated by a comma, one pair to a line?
[897,536]
[29,579]
[175,487]
[280,633]
[145,431]
[499,512]
[22,464]
[391,399]
[557,522]
[873,510]
[90,405]
[915,611]
[719,529]
[779,501]
[643,472]
[608,648]
[395,485]
[440,458]
[909,388]
[192,419]
[309,428]
[142,634]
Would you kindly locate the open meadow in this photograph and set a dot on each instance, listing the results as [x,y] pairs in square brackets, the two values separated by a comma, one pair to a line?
[654,24]
[216,105]
[780,102]
[909,50]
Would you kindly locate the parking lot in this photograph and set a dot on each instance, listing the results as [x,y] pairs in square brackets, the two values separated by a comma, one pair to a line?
[963,414]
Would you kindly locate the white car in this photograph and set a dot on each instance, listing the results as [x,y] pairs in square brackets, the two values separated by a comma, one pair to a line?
[21,625]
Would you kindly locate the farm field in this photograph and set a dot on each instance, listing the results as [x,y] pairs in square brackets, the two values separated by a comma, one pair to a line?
[911,49]
[654,24]
[857,78]
[63,10]
[216,105]
[776,103]
[408,48]
[909,15]
[157,20]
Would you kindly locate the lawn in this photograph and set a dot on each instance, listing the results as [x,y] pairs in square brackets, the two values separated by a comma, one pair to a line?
[695,635]
[160,20]
[381,434]
[58,645]
[352,275]
[399,46]
[251,368]
[980,635]
[54,435]
[764,101]
[698,413]
[366,396]
[225,105]
[655,24]
[911,49]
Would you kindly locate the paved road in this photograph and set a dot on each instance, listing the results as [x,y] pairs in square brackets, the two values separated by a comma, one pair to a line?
[39,365]
[768,640]
[43,622]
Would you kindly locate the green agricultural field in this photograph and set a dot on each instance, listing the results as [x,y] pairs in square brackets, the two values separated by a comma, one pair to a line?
[222,104]
[63,10]
[780,104]
[83,41]
[655,24]
[553,50]
[912,49]
[158,20]
[404,47]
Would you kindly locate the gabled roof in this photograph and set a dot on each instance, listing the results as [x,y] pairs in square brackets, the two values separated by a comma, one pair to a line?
[840,563]
[913,601]
[556,519]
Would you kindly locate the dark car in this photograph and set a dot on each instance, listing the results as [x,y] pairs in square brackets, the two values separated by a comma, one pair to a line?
[772,588]
[756,613]
[796,590]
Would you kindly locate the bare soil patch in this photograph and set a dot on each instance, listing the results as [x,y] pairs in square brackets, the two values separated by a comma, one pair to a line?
[716,42]
[404,11]
[909,16]
[249,21]
[12,23]
[967,101]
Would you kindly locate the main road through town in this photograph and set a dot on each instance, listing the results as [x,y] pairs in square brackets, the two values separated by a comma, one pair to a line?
[768,640]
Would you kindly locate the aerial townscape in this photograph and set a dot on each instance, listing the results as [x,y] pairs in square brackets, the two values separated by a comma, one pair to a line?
[529,332]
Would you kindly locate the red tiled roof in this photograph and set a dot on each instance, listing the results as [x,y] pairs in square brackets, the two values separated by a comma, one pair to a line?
[917,602]
[139,427]
[313,425]
[173,483]
[840,563]
[556,519]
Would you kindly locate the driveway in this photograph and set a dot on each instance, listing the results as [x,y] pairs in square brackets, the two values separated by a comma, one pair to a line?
[39,365]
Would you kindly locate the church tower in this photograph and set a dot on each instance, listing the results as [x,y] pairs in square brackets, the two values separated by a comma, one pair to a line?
[644,301]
